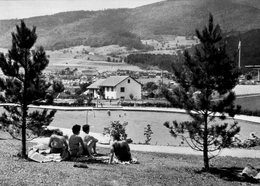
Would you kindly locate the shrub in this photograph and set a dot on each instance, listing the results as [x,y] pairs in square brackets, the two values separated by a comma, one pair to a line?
[116,127]
[49,132]
[36,122]
[79,101]
[147,104]
[148,134]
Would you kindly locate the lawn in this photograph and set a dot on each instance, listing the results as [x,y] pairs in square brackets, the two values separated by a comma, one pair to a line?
[154,169]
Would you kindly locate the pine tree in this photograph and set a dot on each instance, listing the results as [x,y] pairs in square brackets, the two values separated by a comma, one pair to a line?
[210,71]
[24,83]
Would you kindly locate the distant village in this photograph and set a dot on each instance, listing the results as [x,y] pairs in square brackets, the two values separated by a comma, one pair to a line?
[76,81]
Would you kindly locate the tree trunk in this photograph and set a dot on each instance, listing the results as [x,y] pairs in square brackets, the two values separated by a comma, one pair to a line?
[24,108]
[24,111]
[205,144]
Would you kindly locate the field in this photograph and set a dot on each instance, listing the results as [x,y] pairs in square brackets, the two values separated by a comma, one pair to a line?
[154,169]
[81,64]
[84,57]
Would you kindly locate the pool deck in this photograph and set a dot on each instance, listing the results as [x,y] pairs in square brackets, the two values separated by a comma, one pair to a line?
[234,152]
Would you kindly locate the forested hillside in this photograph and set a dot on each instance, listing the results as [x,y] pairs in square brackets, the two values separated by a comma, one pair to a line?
[250,52]
[250,46]
[127,26]
[162,61]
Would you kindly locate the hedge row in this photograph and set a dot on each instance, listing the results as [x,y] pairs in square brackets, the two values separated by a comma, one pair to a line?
[71,104]
[74,104]
[127,104]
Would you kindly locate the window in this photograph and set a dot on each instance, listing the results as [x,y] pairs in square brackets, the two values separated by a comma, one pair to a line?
[112,89]
[108,89]
[128,80]
[122,89]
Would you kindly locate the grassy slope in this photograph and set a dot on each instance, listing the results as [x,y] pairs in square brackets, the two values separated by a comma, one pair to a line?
[170,17]
[154,169]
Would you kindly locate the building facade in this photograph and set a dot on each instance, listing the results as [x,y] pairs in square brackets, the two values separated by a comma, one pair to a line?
[116,87]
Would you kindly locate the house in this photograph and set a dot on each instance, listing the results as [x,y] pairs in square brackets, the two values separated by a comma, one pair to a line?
[116,87]
[94,88]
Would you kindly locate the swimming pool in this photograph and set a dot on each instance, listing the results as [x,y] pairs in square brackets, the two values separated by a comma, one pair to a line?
[137,121]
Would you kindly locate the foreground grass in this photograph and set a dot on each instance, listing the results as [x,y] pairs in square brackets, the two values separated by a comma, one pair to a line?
[154,169]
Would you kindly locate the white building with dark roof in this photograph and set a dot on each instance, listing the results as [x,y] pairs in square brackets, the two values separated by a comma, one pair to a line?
[116,87]
[94,88]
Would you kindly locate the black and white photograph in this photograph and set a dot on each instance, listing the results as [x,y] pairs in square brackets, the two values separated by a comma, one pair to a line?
[129,92]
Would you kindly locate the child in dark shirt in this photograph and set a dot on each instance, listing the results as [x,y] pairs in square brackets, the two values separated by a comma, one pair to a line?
[76,144]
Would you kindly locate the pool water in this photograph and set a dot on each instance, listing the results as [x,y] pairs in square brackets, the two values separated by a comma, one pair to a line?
[137,121]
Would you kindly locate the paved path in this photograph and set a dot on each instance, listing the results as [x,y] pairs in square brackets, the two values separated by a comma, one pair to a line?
[240,153]
[187,150]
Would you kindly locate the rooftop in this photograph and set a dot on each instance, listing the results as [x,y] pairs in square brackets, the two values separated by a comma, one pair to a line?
[96,84]
[113,81]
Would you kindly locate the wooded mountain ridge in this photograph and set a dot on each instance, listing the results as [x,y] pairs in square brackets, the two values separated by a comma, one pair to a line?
[127,26]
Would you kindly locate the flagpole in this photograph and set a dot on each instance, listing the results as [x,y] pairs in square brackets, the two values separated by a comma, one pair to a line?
[239,54]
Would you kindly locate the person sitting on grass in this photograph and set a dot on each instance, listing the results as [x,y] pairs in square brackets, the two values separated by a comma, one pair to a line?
[250,173]
[89,142]
[58,143]
[120,149]
[76,144]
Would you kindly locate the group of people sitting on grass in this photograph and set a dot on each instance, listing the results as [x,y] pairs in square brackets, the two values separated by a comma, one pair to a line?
[76,146]
[252,141]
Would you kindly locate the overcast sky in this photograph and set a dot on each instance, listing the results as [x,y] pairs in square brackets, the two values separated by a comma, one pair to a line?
[28,8]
